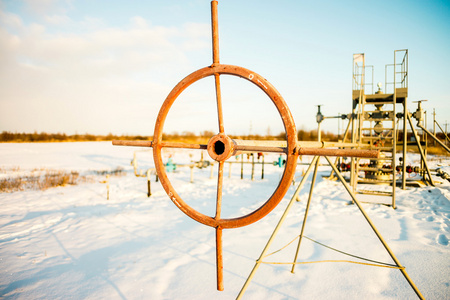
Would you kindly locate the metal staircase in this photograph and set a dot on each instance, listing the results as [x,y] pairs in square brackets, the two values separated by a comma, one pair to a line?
[375,124]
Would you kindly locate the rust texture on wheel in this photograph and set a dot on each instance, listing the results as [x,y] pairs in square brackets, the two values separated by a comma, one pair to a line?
[226,150]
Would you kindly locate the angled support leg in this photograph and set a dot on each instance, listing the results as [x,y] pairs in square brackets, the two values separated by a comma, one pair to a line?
[394,258]
[313,182]
[272,237]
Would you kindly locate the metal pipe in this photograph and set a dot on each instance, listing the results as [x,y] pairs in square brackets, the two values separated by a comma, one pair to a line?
[303,148]
[434,137]
[219,258]
[405,145]
[422,154]
[215,32]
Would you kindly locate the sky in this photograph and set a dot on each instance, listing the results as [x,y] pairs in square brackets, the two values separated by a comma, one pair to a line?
[106,66]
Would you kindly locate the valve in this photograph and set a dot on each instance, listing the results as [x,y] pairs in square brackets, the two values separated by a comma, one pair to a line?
[419,114]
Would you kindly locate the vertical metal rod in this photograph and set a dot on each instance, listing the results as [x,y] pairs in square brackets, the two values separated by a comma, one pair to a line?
[219,190]
[229,170]
[253,166]
[262,170]
[422,154]
[394,136]
[319,132]
[192,174]
[343,140]
[242,166]
[219,258]
[313,182]
[434,126]
[215,31]
[215,40]
[149,188]
[219,103]
[394,258]
[405,145]
[272,237]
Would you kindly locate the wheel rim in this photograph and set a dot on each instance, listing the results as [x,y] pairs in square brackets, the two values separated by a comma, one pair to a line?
[291,137]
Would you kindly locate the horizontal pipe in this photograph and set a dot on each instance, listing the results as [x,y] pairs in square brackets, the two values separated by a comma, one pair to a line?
[303,148]
[339,152]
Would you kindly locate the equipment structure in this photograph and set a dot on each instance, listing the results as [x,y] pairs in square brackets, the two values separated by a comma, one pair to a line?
[221,147]
[375,123]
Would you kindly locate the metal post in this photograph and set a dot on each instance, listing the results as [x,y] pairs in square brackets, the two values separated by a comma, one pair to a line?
[262,170]
[394,136]
[253,166]
[343,140]
[149,193]
[192,174]
[219,259]
[434,126]
[405,146]
[242,166]
[319,132]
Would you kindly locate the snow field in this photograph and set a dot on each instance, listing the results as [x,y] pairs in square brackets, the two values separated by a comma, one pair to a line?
[70,242]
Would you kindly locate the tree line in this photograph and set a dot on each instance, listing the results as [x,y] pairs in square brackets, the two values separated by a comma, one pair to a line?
[42,137]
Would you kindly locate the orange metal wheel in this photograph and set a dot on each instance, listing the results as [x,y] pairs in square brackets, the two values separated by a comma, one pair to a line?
[220,147]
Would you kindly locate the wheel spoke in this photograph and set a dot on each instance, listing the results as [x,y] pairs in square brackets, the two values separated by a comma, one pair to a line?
[219,259]
[219,103]
[219,191]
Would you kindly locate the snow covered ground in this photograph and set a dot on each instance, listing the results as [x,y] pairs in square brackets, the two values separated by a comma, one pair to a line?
[70,242]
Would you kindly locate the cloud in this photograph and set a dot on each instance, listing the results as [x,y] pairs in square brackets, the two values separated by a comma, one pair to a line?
[82,81]
[10,20]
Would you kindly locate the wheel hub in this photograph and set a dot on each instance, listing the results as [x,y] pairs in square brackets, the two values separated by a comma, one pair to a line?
[220,147]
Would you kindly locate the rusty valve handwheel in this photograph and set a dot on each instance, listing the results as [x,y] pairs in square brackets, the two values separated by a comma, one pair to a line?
[220,147]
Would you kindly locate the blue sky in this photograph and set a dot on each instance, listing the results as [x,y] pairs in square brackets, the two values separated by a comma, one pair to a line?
[106,66]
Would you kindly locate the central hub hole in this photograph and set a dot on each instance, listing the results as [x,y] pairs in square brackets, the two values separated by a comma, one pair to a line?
[219,147]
